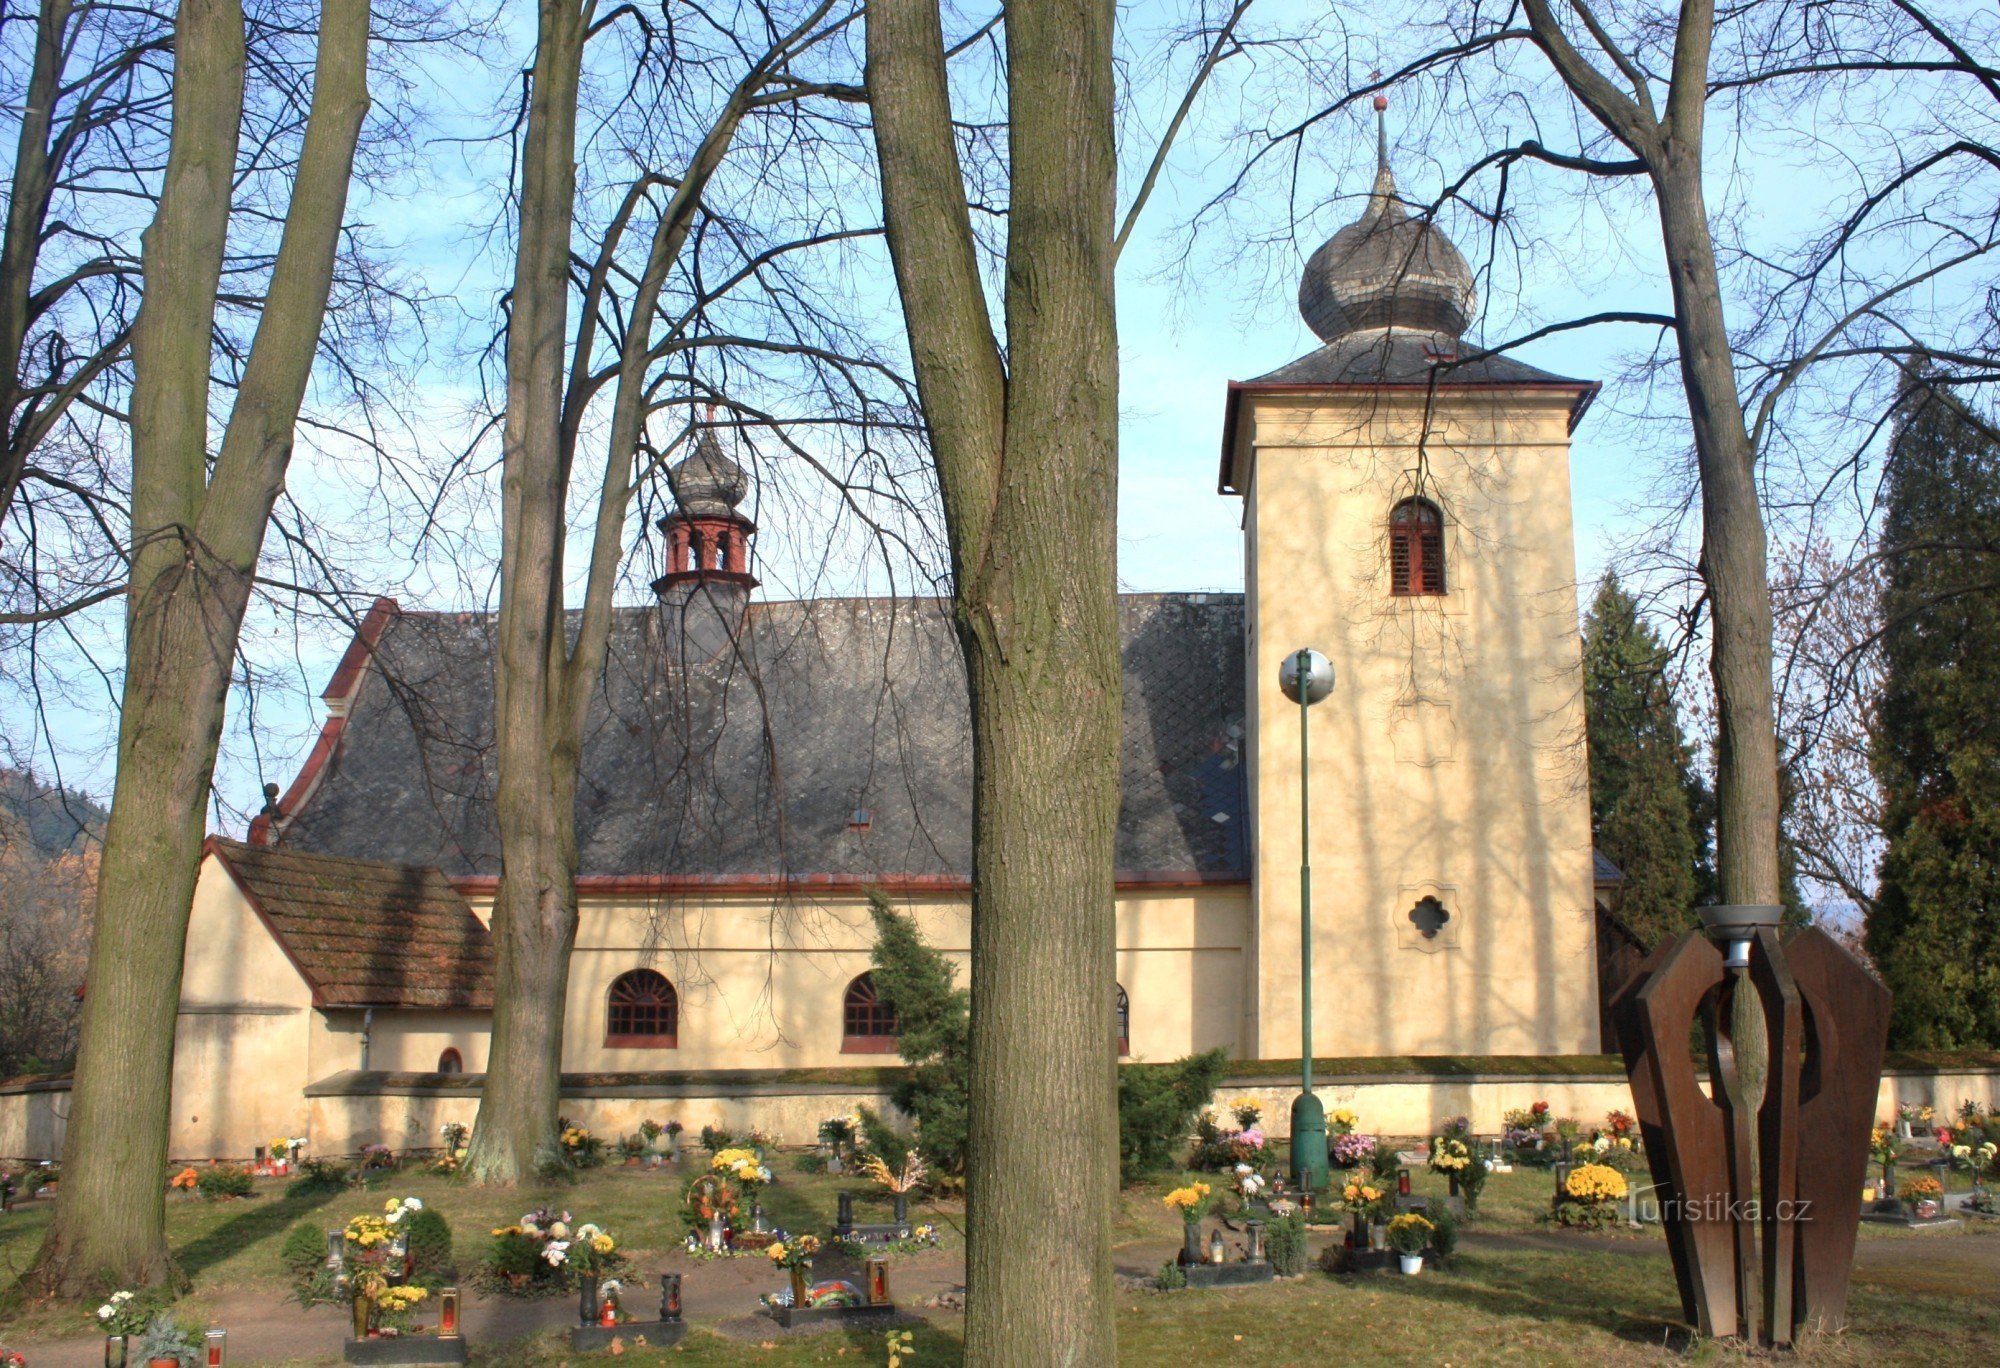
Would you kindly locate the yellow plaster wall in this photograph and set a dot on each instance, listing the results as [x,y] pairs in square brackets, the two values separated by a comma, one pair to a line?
[1450,757]
[761,981]
[240,1042]
[413,1041]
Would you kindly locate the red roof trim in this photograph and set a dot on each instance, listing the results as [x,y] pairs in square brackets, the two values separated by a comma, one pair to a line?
[1585,391]
[212,846]
[650,885]
[346,682]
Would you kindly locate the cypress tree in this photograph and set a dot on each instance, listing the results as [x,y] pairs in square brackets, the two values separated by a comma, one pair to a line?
[1934,932]
[1649,811]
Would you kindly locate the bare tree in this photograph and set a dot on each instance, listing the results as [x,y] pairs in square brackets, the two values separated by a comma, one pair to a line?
[197,530]
[1026,447]
[645,336]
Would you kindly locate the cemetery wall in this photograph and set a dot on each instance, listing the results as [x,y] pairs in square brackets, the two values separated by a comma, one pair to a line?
[343,1113]
[1448,762]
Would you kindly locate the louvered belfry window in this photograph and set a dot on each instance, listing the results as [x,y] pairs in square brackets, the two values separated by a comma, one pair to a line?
[867,1025]
[643,1013]
[1416,548]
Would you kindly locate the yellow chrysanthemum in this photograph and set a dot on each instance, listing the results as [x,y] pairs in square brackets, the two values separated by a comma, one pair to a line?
[1595,1183]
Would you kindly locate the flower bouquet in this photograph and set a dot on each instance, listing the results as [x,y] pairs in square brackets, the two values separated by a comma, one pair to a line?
[517,1263]
[1191,1202]
[710,1207]
[1452,1155]
[743,1166]
[580,1148]
[795,1256]
[1351,1149]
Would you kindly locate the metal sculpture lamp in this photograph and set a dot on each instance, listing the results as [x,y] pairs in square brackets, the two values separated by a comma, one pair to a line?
[1306,677]
[1760,1197]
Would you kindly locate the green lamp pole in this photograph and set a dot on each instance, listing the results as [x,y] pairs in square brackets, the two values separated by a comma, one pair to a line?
[1306,677]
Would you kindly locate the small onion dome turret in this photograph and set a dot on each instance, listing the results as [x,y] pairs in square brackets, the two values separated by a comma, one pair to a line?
[706,483]
[1387,269]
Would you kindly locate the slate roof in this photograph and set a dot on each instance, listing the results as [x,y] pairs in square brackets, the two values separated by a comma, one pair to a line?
[756,765]
[365,933]
[1397,356]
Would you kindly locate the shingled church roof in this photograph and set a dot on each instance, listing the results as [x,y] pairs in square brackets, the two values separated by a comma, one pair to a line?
[367,934]
[831,744]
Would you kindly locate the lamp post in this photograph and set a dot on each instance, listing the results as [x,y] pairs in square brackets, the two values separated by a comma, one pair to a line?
[1306,677]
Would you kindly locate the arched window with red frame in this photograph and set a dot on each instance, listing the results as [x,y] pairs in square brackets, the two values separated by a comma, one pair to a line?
[1124,1020]
[1416,548]
[642,1012]
[867,1025]
[451,1061]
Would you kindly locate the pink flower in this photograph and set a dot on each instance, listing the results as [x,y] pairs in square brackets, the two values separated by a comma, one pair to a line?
[1254,1138]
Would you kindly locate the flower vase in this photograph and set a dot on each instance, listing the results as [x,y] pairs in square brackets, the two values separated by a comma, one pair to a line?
[902,1208]
[1412,1263]
[1190,1243]
[1378,1237]
[1889,1179]
[114,1351]
[798,1289]
[1357,1233]
[364,1312]
[586,1300]
[1452,1180]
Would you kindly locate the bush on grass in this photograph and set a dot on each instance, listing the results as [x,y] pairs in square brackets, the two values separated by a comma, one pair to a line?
[1157,1105]
[317,1178]
[429,1236]
[1285,1244]
[220,1182]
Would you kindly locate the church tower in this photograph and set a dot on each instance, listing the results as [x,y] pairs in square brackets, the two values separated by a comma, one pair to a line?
[708,581]
[1407,512]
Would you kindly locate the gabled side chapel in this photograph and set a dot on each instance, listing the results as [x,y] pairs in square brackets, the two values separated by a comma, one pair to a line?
[754,766]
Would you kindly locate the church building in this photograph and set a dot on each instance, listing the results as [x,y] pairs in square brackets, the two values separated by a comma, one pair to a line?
[754,767]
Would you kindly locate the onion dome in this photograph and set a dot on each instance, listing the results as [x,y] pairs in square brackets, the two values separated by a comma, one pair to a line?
[706,483]
[1386,269]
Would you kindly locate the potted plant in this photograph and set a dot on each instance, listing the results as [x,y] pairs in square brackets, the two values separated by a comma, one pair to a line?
[1922,1195]
[168,1344]
[1408,1235]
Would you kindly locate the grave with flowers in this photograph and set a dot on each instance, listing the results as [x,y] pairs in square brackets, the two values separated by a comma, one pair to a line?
[608,1293]
[803,1302]
[1207,1258]
[1909,1200]
[389,1269]
[898,1183]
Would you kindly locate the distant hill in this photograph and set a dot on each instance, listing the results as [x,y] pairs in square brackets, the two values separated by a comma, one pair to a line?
[57,821]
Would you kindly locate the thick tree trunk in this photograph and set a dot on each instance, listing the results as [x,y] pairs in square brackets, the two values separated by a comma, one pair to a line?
[1027,463]
[534,913]
[195,549]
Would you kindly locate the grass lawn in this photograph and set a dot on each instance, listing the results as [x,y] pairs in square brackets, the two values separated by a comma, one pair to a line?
[1518,1292]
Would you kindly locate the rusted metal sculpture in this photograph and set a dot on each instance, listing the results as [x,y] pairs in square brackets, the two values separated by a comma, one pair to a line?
[1760,1195]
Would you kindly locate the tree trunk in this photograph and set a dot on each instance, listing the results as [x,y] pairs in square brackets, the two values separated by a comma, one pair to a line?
[1027,463]
[195,549]
[534,911]
[1733,547]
